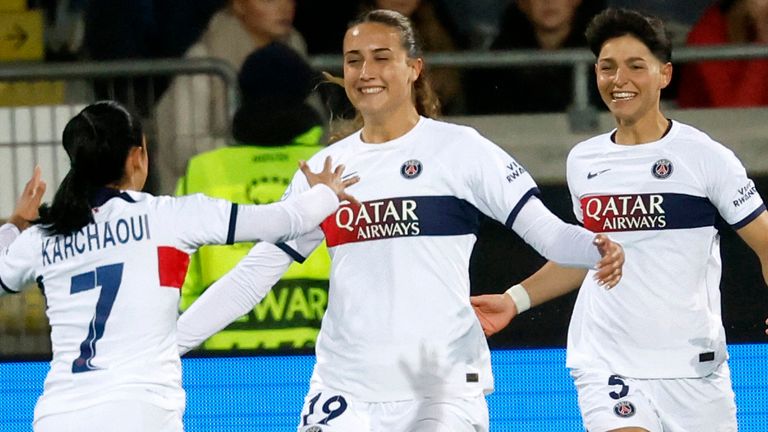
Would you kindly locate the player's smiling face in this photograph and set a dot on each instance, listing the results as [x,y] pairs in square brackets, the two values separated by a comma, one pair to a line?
[630,78]
[378,74]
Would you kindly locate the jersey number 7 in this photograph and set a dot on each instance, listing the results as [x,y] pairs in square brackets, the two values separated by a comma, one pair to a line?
[107,277]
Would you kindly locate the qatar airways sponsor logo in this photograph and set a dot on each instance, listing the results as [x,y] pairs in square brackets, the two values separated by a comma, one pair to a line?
[624,212]
[378,219]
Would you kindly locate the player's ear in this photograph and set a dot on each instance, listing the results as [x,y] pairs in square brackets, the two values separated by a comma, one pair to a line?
[666,74]
[134,160]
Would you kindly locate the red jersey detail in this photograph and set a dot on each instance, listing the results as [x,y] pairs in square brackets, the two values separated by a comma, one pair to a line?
[623,212]
[373,220]
[172,265]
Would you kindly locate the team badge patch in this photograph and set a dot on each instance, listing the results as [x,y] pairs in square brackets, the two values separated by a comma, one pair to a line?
[624,409]
[411,169]
[662,169]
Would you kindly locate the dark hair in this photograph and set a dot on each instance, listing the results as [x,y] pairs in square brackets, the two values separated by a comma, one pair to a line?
[612,23]
[427,103]
[276,73]
[275,82]
[97,141]
[726,5]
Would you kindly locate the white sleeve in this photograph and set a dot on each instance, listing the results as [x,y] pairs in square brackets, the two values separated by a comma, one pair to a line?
[8,233]
[287,219]
[729,188]
[17,264]
[500,185]
[563,243]
[197,220]
[232,296]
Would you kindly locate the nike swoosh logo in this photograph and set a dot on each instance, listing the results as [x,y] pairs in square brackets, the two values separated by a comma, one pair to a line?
[591,175]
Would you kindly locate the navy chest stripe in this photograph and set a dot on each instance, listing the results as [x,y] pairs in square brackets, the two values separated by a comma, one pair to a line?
[646,212]
[401,217]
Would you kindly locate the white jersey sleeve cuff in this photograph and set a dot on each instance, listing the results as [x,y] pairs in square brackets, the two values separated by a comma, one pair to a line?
[566,244]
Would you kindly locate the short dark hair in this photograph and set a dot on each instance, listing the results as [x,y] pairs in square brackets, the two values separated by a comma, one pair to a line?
[612,23]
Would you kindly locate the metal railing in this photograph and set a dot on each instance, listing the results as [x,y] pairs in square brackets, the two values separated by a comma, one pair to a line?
[31,134]
[582,115]
[126,69]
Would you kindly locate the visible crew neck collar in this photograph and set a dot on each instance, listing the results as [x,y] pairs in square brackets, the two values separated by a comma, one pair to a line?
[668,135]
[396,142]
[104,194]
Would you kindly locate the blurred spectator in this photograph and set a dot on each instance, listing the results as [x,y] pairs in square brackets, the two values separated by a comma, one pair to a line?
[273,128]
[135,29]
[324,23]
[65,28]
[435,37]
[119,29]
[732,83]
[192,115]
[531,24]
[476,22]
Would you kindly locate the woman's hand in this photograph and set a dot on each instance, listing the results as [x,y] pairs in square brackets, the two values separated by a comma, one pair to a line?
[29,201]
[331,178]
[609,269]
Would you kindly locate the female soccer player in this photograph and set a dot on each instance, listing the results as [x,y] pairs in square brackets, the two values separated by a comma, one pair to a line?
[650,354]
[110,261]
[399,347]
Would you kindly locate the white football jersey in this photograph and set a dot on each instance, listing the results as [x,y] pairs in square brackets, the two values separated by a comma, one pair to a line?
[660,201]
[112,293]
[8,233]
[399,324]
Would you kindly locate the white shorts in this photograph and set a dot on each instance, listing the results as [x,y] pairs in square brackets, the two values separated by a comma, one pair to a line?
[117,416]
[610,401]
[331,411]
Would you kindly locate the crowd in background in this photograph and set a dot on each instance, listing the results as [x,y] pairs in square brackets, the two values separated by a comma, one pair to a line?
[230,29]
[191,108]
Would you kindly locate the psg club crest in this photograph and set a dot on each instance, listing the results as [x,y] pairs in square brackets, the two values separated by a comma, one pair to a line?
[624,409]
[411,169]
[662,169]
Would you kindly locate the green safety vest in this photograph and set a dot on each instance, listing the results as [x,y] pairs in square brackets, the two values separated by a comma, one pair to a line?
[289,316]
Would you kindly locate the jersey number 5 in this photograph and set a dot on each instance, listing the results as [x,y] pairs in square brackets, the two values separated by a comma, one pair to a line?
[107,277]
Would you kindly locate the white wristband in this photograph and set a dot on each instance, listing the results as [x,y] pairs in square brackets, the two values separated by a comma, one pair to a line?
[520,297]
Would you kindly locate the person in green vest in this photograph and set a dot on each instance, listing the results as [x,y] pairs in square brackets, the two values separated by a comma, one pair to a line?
[273,129]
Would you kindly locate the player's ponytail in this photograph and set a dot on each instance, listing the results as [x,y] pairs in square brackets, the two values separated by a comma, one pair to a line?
[97,141]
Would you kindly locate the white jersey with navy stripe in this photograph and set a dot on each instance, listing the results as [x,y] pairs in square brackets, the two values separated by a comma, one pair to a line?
[660,201]
[112,293]
[399,324]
